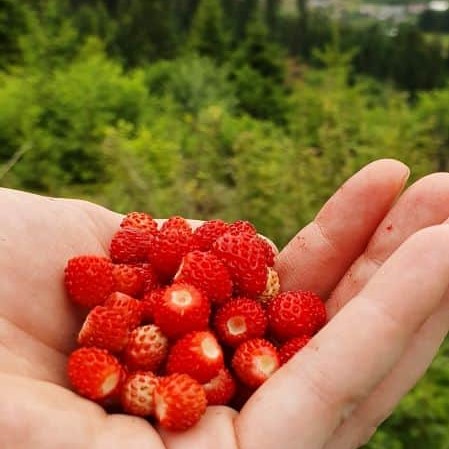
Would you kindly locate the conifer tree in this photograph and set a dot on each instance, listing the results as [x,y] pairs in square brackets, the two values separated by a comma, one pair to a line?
[208,36]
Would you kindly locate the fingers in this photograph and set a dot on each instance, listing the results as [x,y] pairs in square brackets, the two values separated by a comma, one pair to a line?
[319,255]
[307,399]
[361,425]
[425,203]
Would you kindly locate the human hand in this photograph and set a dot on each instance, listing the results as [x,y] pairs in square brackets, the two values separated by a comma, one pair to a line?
[331,395]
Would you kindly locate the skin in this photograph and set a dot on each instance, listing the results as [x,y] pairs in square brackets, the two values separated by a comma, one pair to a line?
[379,256]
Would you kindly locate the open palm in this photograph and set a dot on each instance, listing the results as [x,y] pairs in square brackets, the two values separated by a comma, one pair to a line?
[387,301]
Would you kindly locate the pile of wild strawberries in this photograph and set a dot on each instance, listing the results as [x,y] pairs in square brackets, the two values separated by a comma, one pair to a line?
[182,318]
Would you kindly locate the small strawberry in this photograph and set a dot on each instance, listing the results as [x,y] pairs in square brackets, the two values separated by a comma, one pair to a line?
[242,393]
[149,302]
[94,373]
[104,328]
[220,389]
[169,246]
[137,393]
[129,245]
[245,256]
[291,347]
[127,279]
[205,271]
[88,280]
[130,308]
[197,354]
[207,233]
[176,222]
[240,319]
[180,402]
[150,280]
[146,349]
[141,221]
[242,227]
[296,313]
[182,309]
[254,361]
[272,287]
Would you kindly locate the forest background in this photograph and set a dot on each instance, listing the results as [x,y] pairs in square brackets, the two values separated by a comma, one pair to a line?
[234,109]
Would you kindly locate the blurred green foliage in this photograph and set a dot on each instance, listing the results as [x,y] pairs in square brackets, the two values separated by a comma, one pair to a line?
[200,118]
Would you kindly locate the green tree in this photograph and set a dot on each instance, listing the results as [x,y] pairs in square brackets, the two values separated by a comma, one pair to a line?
[13,23]
[259,74]
[208,36]
[145,31]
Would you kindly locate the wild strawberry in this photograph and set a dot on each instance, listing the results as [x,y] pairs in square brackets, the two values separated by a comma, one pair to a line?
[245,257]
[127,279]
[182,309]
[242,393]
[220,389]
[197,354]
[137,393]
[242,227]
[129,245]
[206,272]
[150,280]
[149,302]
[93,372]
[272,287]
[169,246]
[180,402]
[240,319]
[207,233]
[291,347]
[146,349]
[141,221]
[104,328]
[128,307]
[255,361]
[88,280]
[295,313]
[176,222]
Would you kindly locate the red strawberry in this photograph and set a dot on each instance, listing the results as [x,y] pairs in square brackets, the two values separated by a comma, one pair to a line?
[241,227]
[176,222]
[146,349]
[130,245]
[93,372]
[291,347]
[137,395]
[127,279]
[169,246]
[254,361]
[130,308]
[182,309]
[150,281]
[104,328]
[207,233]
[88,280]
[149,302]
[272,287]
[221,389]
[141,221]
[245,257]
[180,402]
[240,319]
[206,272]
[197,354]
[242,393]
[296,313]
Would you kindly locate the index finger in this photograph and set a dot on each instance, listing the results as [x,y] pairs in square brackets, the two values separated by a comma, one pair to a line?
[319,255]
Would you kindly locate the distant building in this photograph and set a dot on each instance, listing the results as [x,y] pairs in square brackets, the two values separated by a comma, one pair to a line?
[439,5]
